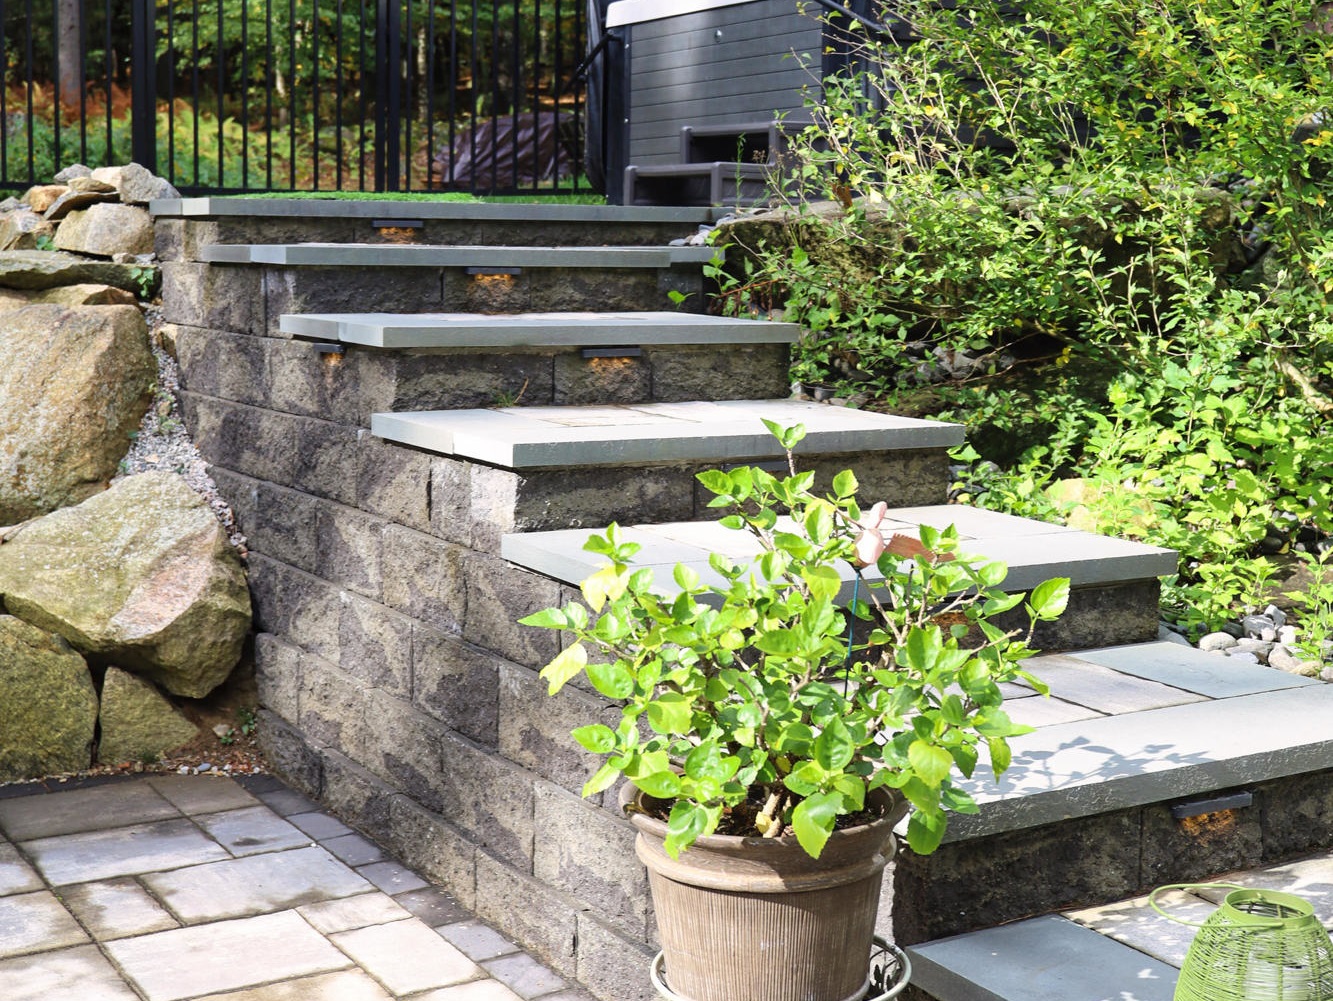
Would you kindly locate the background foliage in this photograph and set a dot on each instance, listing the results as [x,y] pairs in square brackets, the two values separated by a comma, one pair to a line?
[1108,222]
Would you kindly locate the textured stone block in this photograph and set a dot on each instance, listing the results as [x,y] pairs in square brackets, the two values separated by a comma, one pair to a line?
[435,848]
[348,549]
[451,500]
[348,290]
[987,881]
[278,676]
[535,727]
[738,372]
[300,609]
[258,443]
[601,381]
[240,493]
[215,297]
[1297,815]
[543,920]
[393,482]
[1103,616]
[357,796]
[375,644]
[456,683]
[332,708]
[403,748]
[589,854]
[290,755]
[1180,851]
[498,595]
[610,965]
[222,364]
[466,293]
[285,526]
[489,798]
[461,380]
[302,381]
[425,578]
[324,459]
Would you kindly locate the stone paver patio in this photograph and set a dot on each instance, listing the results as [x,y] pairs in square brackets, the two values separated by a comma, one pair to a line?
[175,887]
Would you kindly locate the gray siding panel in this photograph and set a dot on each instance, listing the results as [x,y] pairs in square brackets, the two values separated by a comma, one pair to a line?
[681,73]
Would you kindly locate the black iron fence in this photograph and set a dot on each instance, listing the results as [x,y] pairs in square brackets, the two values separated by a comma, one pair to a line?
[298,95]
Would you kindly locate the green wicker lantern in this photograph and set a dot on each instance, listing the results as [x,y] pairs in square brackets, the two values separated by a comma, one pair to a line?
[1259,945]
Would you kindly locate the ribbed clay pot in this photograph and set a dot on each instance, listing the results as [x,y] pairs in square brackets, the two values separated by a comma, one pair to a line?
[757,919]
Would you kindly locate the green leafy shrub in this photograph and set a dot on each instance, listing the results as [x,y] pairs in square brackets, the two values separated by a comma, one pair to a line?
[1132,193]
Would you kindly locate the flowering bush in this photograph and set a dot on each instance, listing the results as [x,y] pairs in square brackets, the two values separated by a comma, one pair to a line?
[768,698]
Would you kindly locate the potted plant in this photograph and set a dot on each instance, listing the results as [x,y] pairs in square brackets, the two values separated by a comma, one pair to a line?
[778,723]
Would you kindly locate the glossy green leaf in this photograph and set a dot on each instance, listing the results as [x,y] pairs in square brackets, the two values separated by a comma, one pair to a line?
[669,713]
[596,738]
[813,820]
[930,762]
[566,665]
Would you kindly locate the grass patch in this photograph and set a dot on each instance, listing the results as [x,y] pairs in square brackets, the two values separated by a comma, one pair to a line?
[567,198]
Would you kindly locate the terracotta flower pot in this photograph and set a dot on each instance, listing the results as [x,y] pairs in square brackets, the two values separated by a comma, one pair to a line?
[757,919]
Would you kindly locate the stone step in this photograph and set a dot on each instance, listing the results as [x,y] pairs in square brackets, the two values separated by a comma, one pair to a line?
[414,331]
[247,287]
[1151,763]
[544,468]
[185,224]
[1115,582]
[524,438]
[1043,959]
[488,259]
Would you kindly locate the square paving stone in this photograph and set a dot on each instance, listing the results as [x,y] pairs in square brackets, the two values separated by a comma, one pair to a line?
[329,916]
[392,878]
[1136,924]
[196,794]
[1103,689]
[347,985]
[120,804]
[285,802]
[1209,674]
[434,906]
[126,851]
[36,922]
[354,849]
[252,830]
[225,956]
[116,908]
[319,826]
[79,974]
[255,885]
[407,956]
[1042,711]
[1311,878]
[477,941]
[476,990]
[524,975]
[16,876]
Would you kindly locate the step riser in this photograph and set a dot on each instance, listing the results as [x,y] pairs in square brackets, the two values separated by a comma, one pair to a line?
[290,376]
[968,885]
[252,298]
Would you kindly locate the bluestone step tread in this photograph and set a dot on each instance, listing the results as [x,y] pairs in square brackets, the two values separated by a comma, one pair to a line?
[1042,959]
[1117,762]
[1211,674]
[1034,551]
[729,431]
[305,208]
[489,330]
[402,255]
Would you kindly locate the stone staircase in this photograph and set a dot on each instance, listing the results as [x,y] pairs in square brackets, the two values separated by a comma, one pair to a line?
[417,438]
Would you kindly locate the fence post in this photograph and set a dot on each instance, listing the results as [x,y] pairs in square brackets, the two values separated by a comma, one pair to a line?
[388,95]
[143,84]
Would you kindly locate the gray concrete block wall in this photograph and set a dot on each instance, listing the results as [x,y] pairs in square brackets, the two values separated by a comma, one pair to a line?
[396,685]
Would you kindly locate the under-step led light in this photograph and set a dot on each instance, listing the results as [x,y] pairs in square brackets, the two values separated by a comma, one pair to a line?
[612,352]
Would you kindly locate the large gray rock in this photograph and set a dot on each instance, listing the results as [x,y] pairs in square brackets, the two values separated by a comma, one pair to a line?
[106,229]
[48,706]
[138,723]
[20,230]
[45,269]
[67,295]
[136,184]
[80,197]
[42,196]
[74,384]
[141,575]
